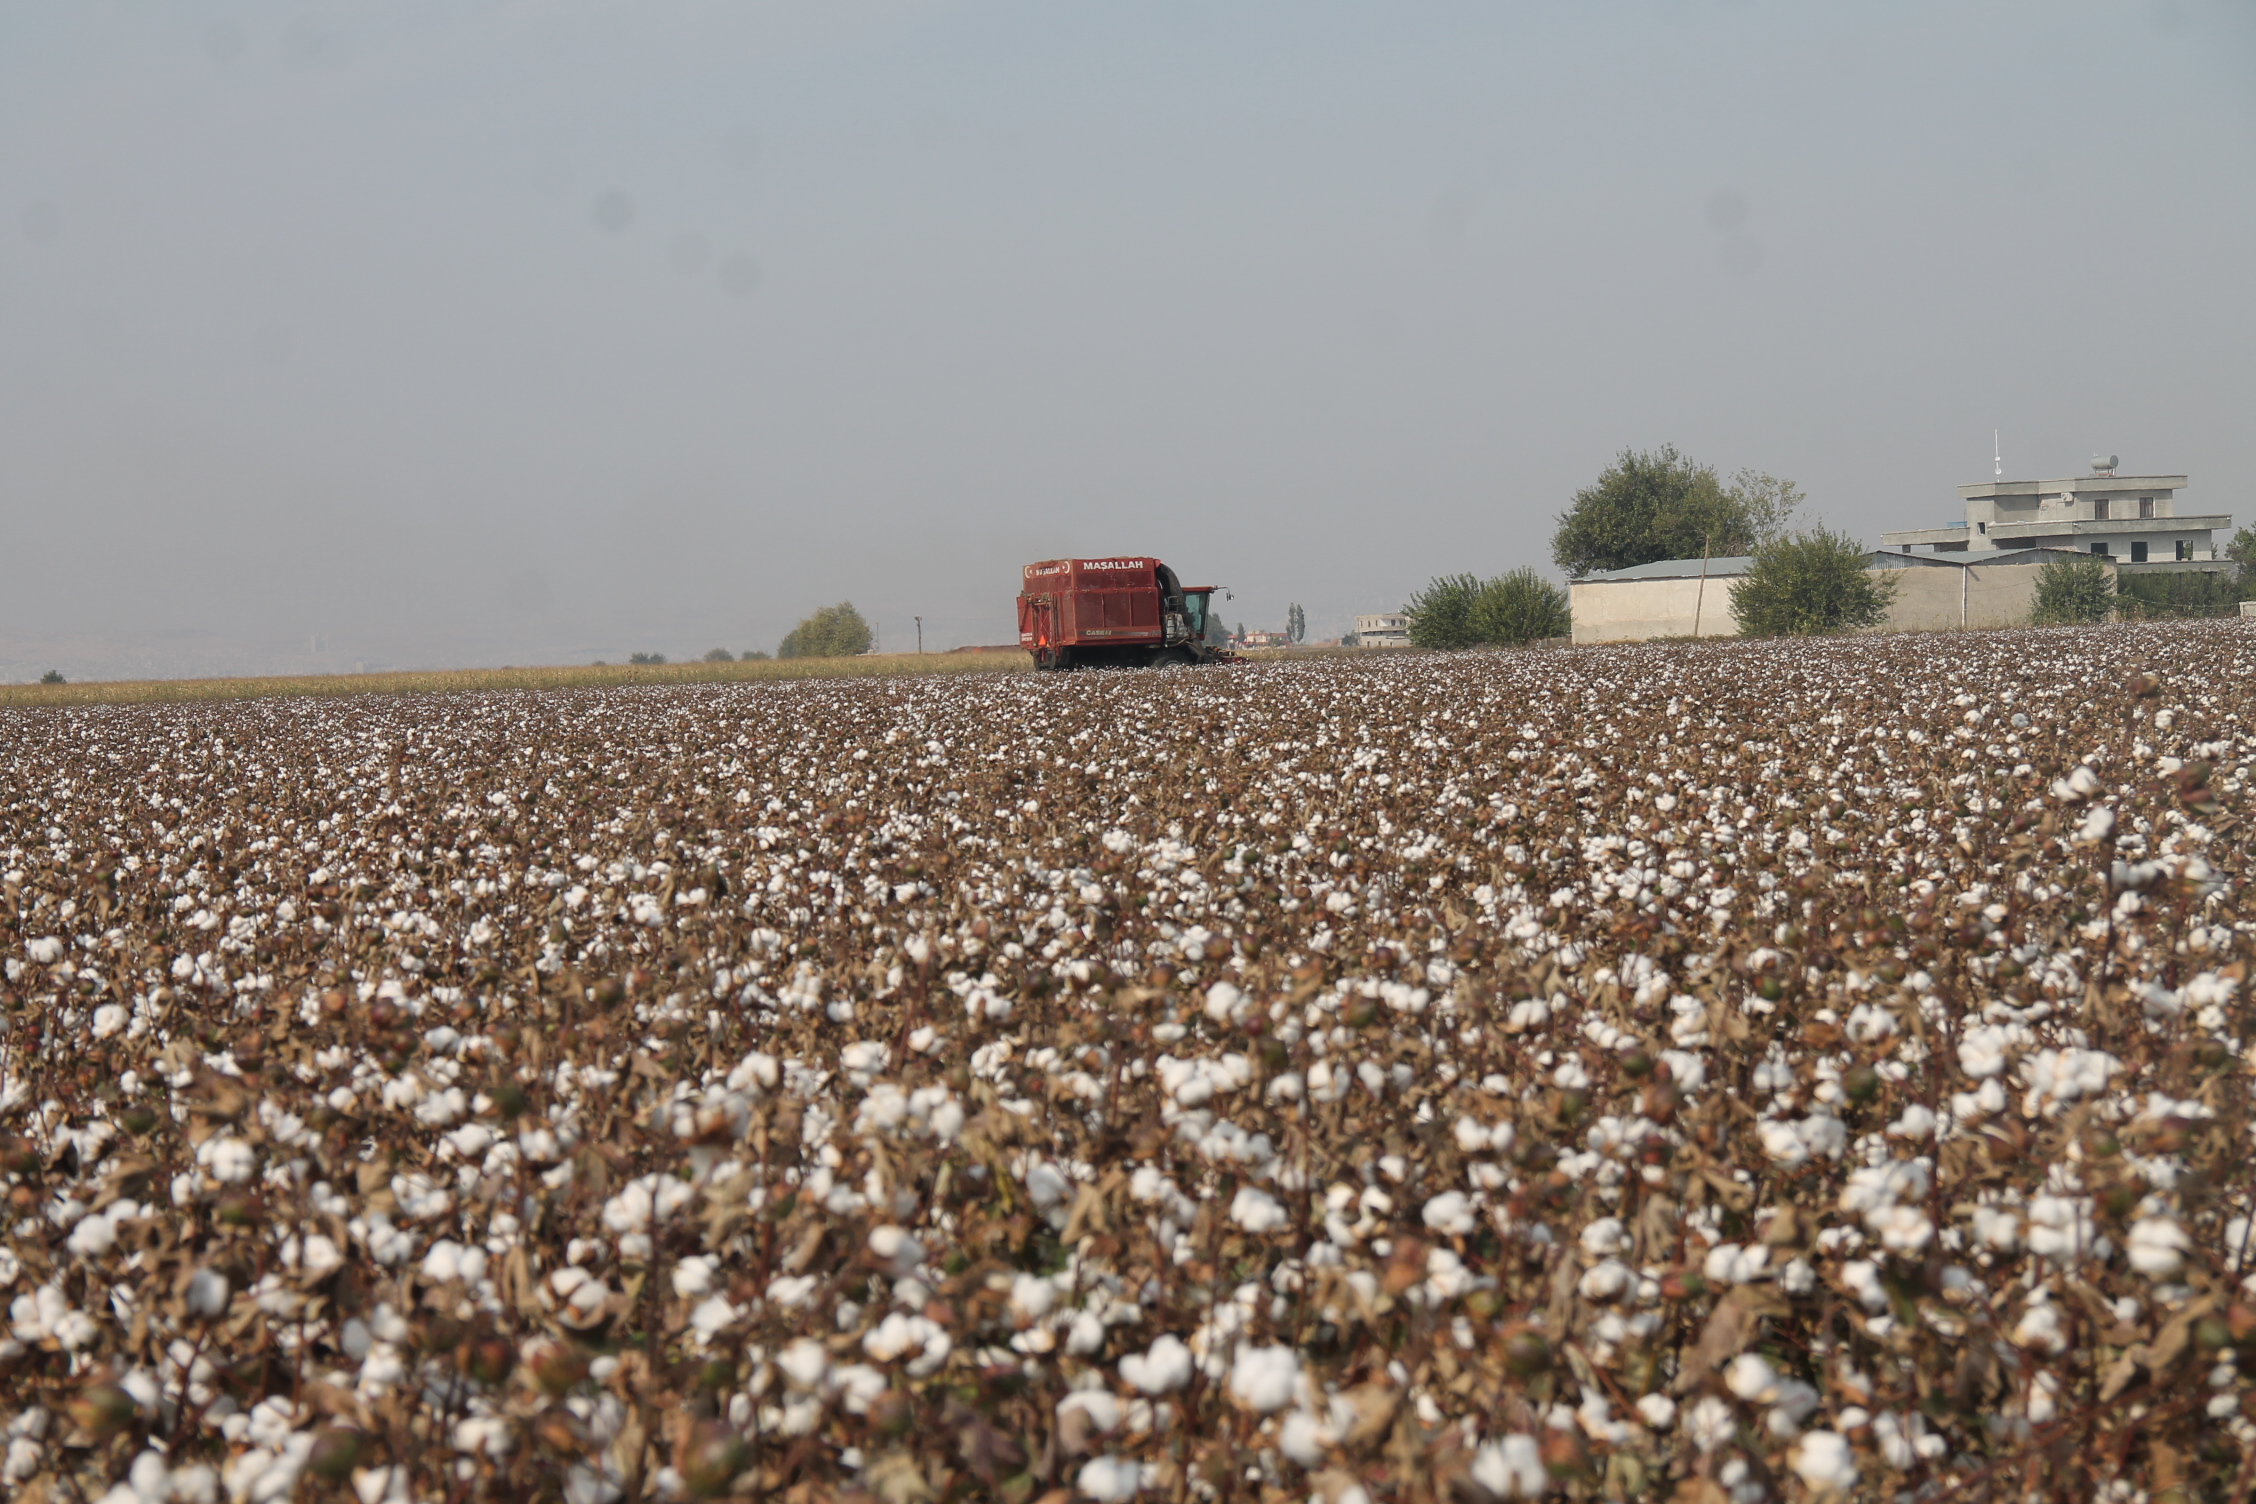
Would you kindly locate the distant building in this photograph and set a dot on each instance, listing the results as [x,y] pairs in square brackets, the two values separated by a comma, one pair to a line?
[1384,629]
[1265,640]
[2132,519]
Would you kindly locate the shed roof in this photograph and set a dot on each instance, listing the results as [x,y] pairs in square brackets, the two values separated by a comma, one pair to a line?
[1674,569]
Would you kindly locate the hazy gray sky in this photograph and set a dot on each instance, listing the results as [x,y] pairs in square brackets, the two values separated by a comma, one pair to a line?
[469,332]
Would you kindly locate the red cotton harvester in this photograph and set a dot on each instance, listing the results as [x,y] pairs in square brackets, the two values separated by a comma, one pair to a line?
[1113,613]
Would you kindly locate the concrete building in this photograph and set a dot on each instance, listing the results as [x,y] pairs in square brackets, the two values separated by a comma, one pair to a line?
[1934,592]
[1383,629]
[2132,519]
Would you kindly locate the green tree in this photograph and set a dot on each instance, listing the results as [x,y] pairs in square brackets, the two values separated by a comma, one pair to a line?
[1767,502]
[1648,506]
[1296,623]
[832,632]
[1520,607]
[53,676]
[2075,590]
[720,655]
[1441,615]
[1460,611]
[2242,552]
[1811,582]
[646,658]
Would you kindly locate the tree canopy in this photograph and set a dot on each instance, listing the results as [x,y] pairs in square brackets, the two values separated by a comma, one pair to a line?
[1807,583]
[2073,590]
[832,632]
[2242,551]
[1660,504]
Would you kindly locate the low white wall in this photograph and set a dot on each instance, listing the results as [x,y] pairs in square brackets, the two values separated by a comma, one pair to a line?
[1928,599]
[1633,610]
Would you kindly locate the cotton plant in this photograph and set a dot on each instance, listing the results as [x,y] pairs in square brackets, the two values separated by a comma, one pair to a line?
[1737,1072]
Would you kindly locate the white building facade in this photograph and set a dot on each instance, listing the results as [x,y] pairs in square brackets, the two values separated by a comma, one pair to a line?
[1383,629]
[2131,519]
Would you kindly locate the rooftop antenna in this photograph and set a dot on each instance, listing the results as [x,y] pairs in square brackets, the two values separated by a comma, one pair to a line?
[1997,456]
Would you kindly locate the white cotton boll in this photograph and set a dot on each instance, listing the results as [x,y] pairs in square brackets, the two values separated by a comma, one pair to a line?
[1902,1229]
[230,1160]
[44,951]
[148,1480]
[1709,1421]
[1286,1085]
[897,1246]
[2097,827]
[692,1277]
[110,1019]
[1256,1210]
[1086,1336]
[1224,1002]
[1657,1411]
[1861,1278]
[2065,1075]
[1981,1052]
[1164,1368]
[1917,1121]
[1750,1378]
[1305,1439]
[1735,1264]
[1109,1479]
[2060,1227]
[207,1293]
[92,1237]
[448,1260]
[756,1070]
[1327,1083]
[1512,1468]
[1781,1143]
[1604,1236]
[1031,1298]
[1604,1280]
[320,1255]
[899,1335]
[2081,783]
[1822,1460]
[1997,1228]
[1823,1134]
[804,1363]
[2039,1329]
[2156,1247]
[1262,1378]
[1450,1214]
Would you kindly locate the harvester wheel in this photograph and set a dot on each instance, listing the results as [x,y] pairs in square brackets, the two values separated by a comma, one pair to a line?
[1171,658]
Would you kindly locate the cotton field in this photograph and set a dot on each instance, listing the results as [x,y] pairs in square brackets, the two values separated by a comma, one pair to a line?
[1716,1073]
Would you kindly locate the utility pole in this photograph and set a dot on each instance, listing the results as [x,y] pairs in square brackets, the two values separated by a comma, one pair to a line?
[920,636]
[1701,599]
